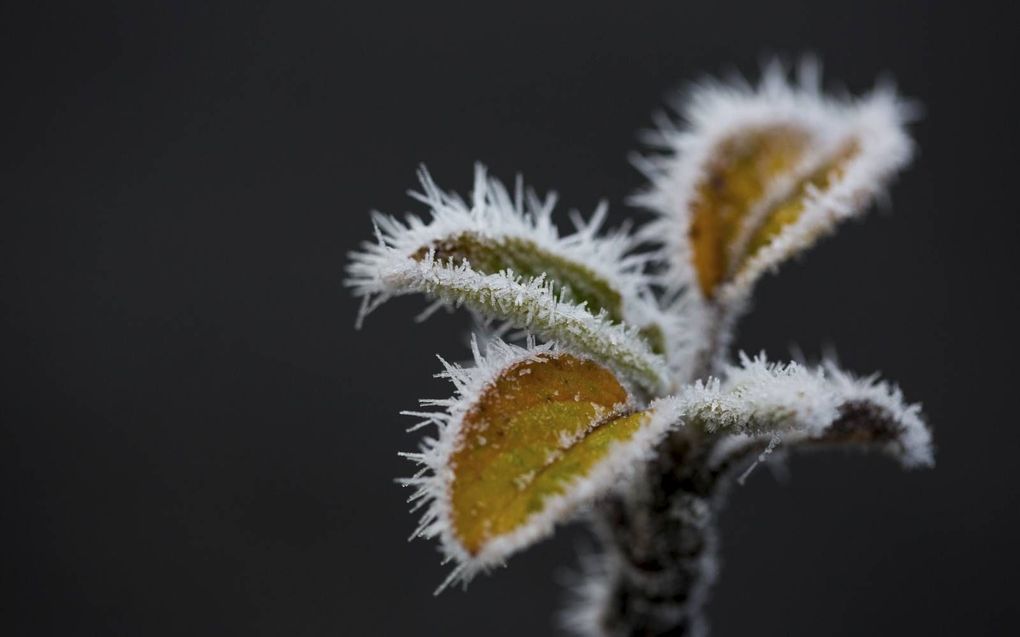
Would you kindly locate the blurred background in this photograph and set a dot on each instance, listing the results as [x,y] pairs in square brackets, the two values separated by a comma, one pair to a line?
[196,441]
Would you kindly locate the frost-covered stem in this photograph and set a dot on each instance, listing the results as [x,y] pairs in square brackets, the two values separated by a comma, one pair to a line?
[661,542]
[661,546]
[660,539]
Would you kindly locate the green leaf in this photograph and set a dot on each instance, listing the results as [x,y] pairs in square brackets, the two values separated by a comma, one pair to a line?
[571,280]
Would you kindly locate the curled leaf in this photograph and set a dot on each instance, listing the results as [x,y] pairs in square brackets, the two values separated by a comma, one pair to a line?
[755,176]
[531,434]
[737,175]
[868,415]
[498,231]
[505,260]
[532,305]
[761,404]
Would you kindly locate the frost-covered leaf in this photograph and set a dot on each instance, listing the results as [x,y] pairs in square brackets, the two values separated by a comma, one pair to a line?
[762,405]
[532,305]
[756,175]
[492,255]
[503,258]
[531,433]
[498,231]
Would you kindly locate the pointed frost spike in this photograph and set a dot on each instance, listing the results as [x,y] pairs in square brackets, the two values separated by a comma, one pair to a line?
[427,313]
[455,575]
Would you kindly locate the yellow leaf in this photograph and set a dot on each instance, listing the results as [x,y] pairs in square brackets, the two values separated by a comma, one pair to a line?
[758,174]
[788,210]
[544,424]
[737,176]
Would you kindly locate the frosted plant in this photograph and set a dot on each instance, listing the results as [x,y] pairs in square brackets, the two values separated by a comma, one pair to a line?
[613,396]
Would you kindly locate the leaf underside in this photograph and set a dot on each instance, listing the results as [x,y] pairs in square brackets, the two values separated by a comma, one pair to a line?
[523,257]
[542,425]
[572,280]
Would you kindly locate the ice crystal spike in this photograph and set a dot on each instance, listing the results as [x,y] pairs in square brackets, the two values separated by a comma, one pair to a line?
[531,434]
[753,176]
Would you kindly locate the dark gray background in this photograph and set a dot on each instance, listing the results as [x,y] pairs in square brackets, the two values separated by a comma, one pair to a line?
[196,441]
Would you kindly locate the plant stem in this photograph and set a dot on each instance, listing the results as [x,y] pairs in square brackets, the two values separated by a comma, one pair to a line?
[660,539]
[661,547]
